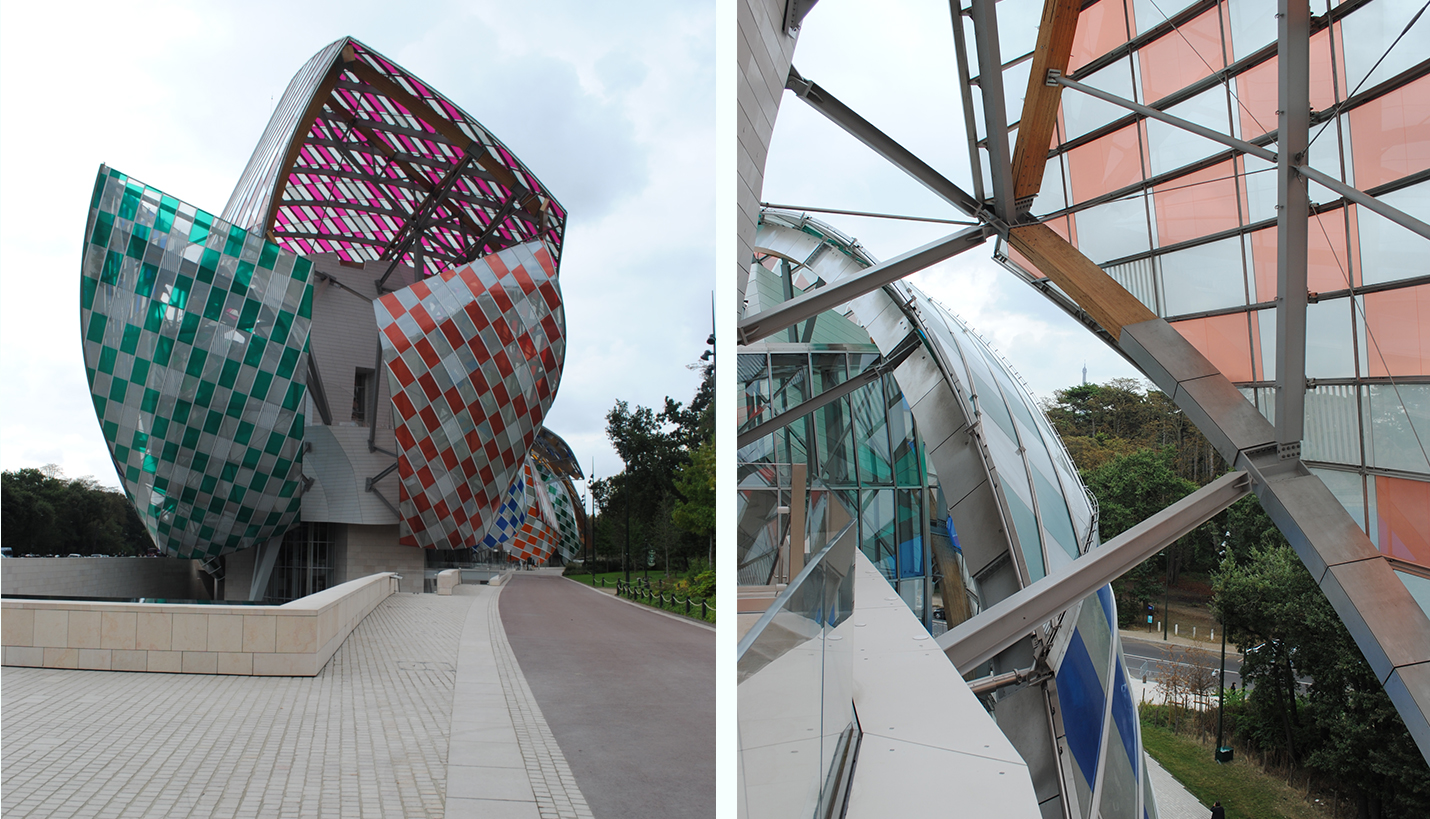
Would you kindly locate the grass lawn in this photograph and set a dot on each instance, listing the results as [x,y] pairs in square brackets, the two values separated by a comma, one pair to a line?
[1243,789]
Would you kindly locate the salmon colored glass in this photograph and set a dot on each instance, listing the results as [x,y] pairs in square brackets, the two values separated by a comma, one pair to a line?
[1224,340]
[1328,259]
[1390,135]
[1256,88]
[1197,204]
[1175,60]
[1399,325]
[1404,511]
[1065,227]
[1106,164]
[1101,27]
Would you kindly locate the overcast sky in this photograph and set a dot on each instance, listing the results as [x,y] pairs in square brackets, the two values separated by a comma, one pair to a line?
[610,105]
[894,63]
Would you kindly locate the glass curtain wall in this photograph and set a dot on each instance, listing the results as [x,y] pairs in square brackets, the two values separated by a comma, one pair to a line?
[863,449]
[305,563]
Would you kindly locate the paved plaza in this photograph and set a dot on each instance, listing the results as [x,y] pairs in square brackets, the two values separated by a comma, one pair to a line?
[423,712]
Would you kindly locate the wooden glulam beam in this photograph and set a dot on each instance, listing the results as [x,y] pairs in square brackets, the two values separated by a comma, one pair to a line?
[1040,105]
[1106,301]
[300,132]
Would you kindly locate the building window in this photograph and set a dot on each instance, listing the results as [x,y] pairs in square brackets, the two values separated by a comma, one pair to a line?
[363,386]
[305,563]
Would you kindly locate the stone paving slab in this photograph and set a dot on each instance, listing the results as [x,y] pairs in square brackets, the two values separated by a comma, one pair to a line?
[368,737]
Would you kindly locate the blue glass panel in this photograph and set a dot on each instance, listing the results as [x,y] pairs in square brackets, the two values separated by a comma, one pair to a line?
[1082,699]
[1108,606]
[1124,714]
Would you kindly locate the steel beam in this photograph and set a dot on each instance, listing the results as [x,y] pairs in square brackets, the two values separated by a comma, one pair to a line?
[264,559]
[1366,201]
[977,640]
[1055,77]
[1293,215]
[882,144]
[995,109]
[315,389]
[813,302]
[867,376]
[965,95]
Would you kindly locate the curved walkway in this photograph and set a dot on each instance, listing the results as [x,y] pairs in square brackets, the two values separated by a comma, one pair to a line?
[628,692]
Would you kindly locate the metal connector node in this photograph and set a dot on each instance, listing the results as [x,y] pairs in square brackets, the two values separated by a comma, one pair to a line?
[1052,80]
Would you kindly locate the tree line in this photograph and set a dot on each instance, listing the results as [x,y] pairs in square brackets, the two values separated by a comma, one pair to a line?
[1312,703]
[44,513]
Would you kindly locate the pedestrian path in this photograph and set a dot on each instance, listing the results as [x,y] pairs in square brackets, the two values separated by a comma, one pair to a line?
[628,691]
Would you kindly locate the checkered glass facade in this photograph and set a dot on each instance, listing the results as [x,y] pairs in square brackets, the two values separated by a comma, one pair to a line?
[536,538]
[473,357]
[563,505]
[195,343]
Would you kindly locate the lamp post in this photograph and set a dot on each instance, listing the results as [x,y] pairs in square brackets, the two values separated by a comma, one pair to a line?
[625,485]
[1223,754]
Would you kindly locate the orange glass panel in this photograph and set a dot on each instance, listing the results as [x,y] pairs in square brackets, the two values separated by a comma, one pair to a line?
[1256,90]
[1390,136]
[1404,510]
[1197,204]
[1174,61]
[1328,259]
[1258,366]
[1399,322]
[1224,340]
[1106,164]
[1065,227]
[1101,27]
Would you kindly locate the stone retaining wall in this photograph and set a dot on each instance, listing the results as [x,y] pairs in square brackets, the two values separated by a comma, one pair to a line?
[103,577]
[293,640]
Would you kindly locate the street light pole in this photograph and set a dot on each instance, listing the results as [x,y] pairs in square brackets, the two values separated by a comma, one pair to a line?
[1221,694]
[626,485]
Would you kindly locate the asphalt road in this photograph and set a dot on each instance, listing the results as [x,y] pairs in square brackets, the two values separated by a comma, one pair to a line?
[1154,654]
[628,693]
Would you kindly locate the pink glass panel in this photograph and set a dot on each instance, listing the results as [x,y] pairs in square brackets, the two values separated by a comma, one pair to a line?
[1224,340]
[1257,94]
[1198,204]
[1390,135]
[1327,256]
[1100,28]
[1404,511]
[1064,226]
[1106,164]
[1399,321]
[1174,61]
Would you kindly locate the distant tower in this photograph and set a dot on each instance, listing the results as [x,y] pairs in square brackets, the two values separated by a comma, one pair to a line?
[1084,373]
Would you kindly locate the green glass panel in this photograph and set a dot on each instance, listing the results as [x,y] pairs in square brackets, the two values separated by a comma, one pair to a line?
[254,356]
[300,269]
[168,208]
[229,375]
[179,293]
[137,244]
[129,203]
[207,485]
[235,404]
[261,382]
[242,277]
[111,430]
[154,316]
[305,307]
[99,404]
[161,428]
[259,481]
[208,265]
[289,487]
[163,351]
[213,421]
[103,226]
[181,411]
[117,389]
[235,494]
[107,358]
[191,437]
[205,395]
[98,191]
[113,263]
[189,328]
[213,310]
[296,430]
[132,474]
[281,326]
[206,532]
[234,245]
[195,368]
[97,322]
[288,363]
[282,466]
[230,471]
[189,493]
[121,453]
[140,373]
[151,464]
[151,401]
[148,273]
[275,443]
[249,316]
[216,505]
[250,458]
[130,341]
[199,233]
[244,434]
[201,462]
[294,396]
